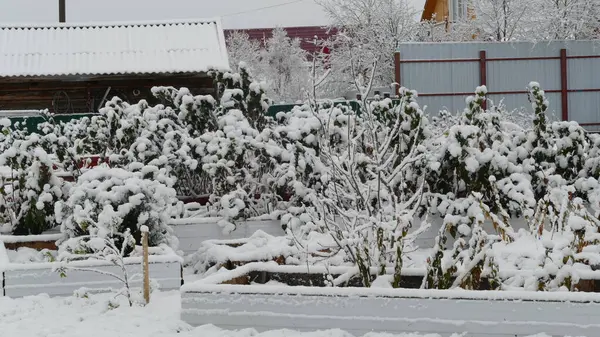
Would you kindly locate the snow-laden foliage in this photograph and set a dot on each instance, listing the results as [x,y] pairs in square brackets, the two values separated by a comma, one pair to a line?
[279,63]
[356,178]
[351,182]
[242,49]
[106,203]
[365,178]
[29,187]
[487,173]
[367,30]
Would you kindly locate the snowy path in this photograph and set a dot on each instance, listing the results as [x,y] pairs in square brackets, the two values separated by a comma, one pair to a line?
[42,316]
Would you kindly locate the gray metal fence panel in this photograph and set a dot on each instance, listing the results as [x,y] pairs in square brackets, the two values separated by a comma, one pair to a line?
[445,73]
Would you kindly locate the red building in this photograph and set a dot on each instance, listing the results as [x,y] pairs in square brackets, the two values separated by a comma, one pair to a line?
[305,34]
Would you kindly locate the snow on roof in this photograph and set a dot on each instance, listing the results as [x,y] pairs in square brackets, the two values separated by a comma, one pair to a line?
[112,48]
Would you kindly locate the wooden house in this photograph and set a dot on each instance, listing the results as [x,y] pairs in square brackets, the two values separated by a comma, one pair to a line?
[75,68]
[445,11]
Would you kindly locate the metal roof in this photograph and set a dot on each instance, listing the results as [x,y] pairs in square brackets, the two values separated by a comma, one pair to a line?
[112,48]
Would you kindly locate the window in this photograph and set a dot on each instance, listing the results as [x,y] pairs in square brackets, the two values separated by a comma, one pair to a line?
[458,10]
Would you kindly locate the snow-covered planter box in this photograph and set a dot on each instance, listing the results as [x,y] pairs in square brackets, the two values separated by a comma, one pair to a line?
[191,232]
[361,310]
[300,275]
[38,242]
[27,274]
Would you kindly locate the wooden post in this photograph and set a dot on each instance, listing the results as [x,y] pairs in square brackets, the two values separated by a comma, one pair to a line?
[144,230]
[483,72]
[62,11]
[397,73]
[564,85]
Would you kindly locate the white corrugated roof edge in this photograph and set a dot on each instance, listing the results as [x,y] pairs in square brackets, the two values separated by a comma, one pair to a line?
[222,44]
[215,20]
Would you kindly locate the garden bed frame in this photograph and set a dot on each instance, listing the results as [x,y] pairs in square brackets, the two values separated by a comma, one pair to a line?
[37,242]
[227,300]
[191,232]
[26,279]
[360,310]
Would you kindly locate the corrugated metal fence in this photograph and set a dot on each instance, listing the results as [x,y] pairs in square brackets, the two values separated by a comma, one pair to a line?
[445,73]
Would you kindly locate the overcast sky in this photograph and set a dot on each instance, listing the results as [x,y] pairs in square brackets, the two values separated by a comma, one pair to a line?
[235,14]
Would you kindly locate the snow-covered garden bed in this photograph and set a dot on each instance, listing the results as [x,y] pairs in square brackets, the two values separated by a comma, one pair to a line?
[100,315]
[36,242]
[191,232]
[26,271]
[479,313]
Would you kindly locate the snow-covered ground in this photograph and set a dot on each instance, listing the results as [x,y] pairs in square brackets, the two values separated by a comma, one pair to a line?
[42,316]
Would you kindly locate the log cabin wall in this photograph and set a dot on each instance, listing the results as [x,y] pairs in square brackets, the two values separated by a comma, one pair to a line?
[83,95]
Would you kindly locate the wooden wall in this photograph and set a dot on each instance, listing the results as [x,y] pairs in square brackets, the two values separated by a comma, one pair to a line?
[438,7]
[82,95]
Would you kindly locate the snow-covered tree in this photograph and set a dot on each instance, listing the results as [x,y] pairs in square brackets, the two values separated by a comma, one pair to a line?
[510,20]
[279,62]
[242,49]
[496,20]
[367,30]
[284,67]
[566,19]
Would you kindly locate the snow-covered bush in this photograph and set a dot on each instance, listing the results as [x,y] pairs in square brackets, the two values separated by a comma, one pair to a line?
[28,193]
[358,178]
[486,172]
[106,203]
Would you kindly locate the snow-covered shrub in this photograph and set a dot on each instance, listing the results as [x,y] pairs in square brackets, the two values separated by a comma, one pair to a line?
[239,151]
[471,181]
[30,190]
[486,171]
[219,147]
[303,133]
[238,91]
[368,189]
[106,203]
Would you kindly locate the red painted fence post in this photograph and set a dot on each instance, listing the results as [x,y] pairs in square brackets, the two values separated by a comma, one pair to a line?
[398,74]
[483,72]
[564,85]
